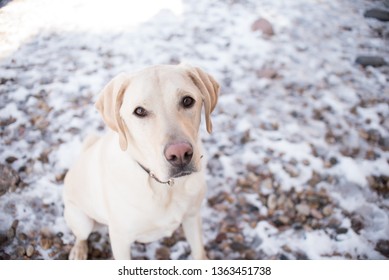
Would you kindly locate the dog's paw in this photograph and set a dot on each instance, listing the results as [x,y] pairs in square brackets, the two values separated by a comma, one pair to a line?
[79,251]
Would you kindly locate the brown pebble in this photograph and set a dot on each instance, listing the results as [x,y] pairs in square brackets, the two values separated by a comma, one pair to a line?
[46,243]
[281,201]
[11,233]
[163,253]
[287,249]
[96,254]
[15,224]
[169,241]
[357,223]
[272,202]
[238,238]
[268,73]
[220,237]
[3,238]
[283,220]
[22,236]
[237,246]
[264,26]
[383,247]
[11,159]
[20,251]
[60,177]
[94,237]
[316,214]
[57,242]
[30,250]
[327,211]
[250,255]
[53,253]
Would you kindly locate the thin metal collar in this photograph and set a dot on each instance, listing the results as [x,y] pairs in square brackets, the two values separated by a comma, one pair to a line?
[169,182]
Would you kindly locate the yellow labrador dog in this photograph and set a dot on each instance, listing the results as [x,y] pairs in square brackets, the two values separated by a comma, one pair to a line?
[144,177]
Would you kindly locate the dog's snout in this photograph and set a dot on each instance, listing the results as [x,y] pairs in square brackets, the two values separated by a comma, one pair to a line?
[179,154]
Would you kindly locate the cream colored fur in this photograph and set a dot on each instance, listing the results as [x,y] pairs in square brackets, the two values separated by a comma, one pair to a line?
[106,184]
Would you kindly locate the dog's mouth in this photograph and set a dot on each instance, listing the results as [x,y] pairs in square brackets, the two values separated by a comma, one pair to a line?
[182,171]
[181,174]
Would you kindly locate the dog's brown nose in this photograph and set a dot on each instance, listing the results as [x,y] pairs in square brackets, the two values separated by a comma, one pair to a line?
[179,154]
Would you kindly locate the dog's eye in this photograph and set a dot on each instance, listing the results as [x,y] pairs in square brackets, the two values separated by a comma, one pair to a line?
[140,112]
[188,102]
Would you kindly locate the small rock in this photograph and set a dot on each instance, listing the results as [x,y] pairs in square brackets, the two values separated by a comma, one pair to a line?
[169,241]
[10,233]
[384,143]
[59,178]
[374,136]
[11,159]
[57,242]
[94,236]
[357,224]
[316,214]
[327,211]
[341,230]
[237,246]
[267,184]
[7,121]
[53,253]
[15,224]
[281,200]
[378,14]
[272,202]
[301,256]
[30,251]
[250,255]
[333,223]
[3,239]
[245,137]
[382,246]
[46,243]
[96,254]
[287,249]
[283,220]
[303,209]
[220,237]
[264,26]
[22,236]
[375,61]
[333,161]
[291,170]
[283,257]
[315,179]
[20,251]
[63,256]
[267,73]
[163,253]
[8,178]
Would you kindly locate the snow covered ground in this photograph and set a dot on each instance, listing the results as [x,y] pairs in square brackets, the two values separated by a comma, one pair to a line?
[299,158]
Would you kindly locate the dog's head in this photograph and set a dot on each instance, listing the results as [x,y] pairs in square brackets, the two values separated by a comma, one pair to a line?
[156,113]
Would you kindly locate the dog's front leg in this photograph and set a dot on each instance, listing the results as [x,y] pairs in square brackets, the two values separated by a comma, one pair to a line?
[120,244]
[193,231]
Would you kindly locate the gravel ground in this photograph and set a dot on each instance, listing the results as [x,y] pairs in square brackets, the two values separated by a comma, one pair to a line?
[298,163]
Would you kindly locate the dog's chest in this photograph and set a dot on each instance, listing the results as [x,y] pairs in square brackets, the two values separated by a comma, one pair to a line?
[158,230]
[162,222]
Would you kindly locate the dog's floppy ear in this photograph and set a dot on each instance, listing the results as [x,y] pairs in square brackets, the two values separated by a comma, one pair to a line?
[109,103]
[209,89]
